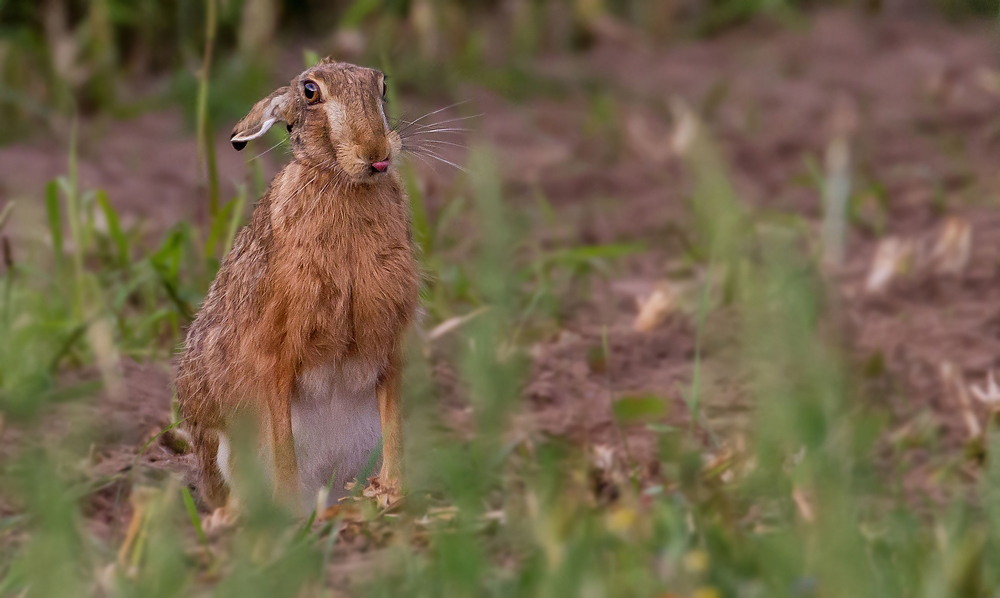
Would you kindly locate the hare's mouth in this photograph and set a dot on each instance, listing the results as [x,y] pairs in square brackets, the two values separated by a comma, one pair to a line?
[378,167]
[368,165]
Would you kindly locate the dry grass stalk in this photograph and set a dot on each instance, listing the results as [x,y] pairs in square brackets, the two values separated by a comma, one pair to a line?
[954,386]
[454,323]
[893,257]
[101,337]
[837,186]
[803,505]
[951,252]
[988,395]
[130,551]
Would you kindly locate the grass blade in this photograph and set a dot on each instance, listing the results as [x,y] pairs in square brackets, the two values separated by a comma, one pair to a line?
[192,511]
[114,228]
[55,219]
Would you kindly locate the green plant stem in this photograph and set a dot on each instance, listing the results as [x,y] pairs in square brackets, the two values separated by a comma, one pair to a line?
[694,395]
[192,511]
[75,216]
[206,150]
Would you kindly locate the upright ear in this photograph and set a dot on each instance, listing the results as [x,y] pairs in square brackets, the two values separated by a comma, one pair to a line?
[264,113]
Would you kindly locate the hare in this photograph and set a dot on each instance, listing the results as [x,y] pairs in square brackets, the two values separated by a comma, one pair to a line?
[302,328]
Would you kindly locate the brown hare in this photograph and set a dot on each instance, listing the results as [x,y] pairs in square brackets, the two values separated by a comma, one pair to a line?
[302,328]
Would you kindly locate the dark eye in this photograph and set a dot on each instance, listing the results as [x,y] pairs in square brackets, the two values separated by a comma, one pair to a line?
[311,91]
[385,88]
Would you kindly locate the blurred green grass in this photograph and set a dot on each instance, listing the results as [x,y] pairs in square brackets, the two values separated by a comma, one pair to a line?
[802,510]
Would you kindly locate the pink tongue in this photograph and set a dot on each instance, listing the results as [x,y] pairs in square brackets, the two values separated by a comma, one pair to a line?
[380,166]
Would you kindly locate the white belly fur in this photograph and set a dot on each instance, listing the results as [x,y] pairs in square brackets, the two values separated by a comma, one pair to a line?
[336,427]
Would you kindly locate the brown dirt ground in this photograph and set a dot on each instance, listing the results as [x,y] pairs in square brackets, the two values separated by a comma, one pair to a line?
[928,128]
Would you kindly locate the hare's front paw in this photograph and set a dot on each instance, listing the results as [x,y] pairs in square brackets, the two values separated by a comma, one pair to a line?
[222,518]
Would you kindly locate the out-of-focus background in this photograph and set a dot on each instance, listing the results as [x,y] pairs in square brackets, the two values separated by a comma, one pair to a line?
[711,303]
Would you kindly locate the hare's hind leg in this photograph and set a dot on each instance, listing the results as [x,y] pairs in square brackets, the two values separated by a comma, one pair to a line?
[286,469]
[212,482]
[215,454]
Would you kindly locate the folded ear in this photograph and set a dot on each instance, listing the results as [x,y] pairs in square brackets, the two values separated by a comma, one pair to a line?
[264,113]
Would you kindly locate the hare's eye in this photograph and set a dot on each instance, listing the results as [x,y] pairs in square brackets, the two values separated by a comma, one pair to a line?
[311,91]
[385,88]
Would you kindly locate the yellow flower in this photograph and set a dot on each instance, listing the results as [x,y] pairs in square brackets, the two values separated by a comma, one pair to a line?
[705,592]
[696,561]
[621,520]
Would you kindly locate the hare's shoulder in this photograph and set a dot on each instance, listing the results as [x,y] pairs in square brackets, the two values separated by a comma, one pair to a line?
[240,286]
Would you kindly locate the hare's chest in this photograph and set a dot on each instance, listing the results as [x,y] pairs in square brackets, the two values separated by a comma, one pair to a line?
[384,290]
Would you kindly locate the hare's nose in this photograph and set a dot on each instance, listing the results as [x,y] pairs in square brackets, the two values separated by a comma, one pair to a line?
[380,166]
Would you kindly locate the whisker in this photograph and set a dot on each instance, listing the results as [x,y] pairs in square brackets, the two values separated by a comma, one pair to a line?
[403,118]
[431,154]
[421,158]
[444,122]
[439,110]
[440,142]
[432,131]
[267,150]
[304,186]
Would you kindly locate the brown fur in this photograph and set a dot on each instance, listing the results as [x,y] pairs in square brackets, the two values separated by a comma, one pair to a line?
[323,271]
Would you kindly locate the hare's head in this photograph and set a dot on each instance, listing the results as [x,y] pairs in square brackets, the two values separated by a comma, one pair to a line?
[335,113]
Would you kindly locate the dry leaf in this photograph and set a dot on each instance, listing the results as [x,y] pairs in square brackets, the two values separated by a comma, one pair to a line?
[655,308]
[893,257]
[348,511]
[989,396]
[387,497]
[953,247]
[687,127]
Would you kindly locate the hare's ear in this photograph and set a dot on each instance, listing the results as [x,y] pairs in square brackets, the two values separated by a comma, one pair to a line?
[264,113]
